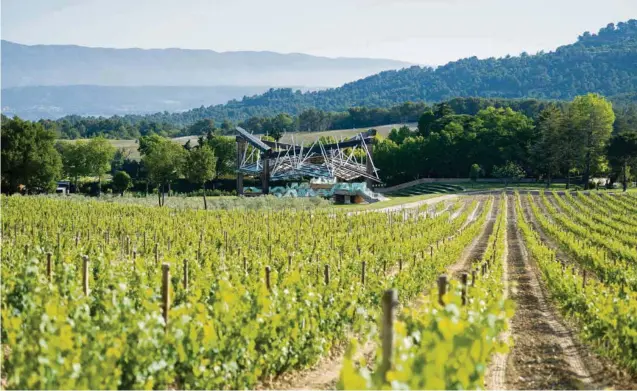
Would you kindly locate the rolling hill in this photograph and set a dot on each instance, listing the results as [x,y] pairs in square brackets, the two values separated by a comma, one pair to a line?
[605,63]
[51,81]
[51,102]
[59,65]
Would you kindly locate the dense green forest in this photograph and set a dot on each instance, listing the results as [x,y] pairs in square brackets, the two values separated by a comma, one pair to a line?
[74,127]
[579,139]
[603,63]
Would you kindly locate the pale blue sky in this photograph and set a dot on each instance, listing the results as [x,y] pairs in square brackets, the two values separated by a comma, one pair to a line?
[420,31]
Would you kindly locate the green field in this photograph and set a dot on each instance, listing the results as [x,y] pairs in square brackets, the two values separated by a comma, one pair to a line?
[345,133]
[130,146]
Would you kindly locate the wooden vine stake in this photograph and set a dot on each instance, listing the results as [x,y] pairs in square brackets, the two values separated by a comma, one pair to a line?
[363,273]
[165,292]
[185,274]
[442,288]
[326,274]
[390,301]
[267,277]
[85,274]
[584,279]
[48,265]
[463,279]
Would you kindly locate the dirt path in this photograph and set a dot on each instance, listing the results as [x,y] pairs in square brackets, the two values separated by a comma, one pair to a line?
[473,215]
[323,376]
[416,204]
[458,212]
[544,355]
[478,246]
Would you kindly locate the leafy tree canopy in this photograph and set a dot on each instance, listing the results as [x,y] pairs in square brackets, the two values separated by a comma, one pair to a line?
[29,157]
[121,182]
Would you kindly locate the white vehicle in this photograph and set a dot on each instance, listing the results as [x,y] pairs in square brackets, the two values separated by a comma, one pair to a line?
[63,187]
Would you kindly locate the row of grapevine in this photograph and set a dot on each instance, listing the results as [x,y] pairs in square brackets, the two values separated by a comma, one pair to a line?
[607,206]
[614,245]
[445,342]
[589,256]
[611,220]
[627,202]
[590,220]
[248,294]
[603,311]
[608,203]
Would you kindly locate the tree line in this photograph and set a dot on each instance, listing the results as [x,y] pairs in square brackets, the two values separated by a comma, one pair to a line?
[33,161]
[78,127]
[582,139]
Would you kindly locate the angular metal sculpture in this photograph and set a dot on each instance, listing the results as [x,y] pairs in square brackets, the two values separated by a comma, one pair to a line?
[344,160]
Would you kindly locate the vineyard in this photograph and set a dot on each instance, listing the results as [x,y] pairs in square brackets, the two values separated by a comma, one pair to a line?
[483,291]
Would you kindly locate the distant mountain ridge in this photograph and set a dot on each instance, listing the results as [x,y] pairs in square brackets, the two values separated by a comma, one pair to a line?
[58,65]
[604,63]
[51,102]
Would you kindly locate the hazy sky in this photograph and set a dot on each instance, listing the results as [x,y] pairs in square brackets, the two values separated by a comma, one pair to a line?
[420,31]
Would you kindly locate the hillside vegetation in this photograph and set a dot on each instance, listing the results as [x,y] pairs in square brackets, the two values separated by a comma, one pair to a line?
[602,63]
[310,120]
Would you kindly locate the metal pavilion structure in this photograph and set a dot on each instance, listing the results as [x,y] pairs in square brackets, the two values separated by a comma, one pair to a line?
[343,161]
